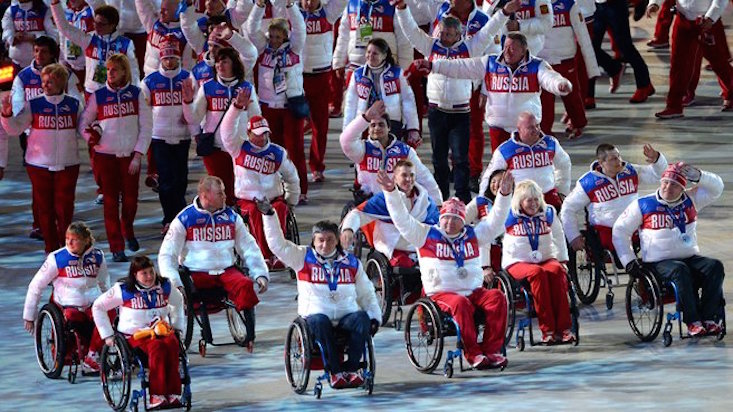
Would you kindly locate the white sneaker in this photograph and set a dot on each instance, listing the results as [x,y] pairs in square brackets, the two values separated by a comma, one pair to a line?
[91,363]
[100,199]
[157,401]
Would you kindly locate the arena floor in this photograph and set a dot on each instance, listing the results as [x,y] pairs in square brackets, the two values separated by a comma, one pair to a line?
[609,370]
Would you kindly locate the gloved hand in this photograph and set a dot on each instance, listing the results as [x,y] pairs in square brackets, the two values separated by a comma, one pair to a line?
[419,68]
[635,268]
[373,327]
[265,207]
[95,135]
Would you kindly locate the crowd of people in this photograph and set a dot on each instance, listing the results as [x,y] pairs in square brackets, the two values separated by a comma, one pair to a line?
[142,82]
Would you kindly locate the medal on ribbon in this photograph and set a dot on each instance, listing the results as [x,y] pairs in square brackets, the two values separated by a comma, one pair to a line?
[332,277]
[533,235]
[459,253]
[679,219]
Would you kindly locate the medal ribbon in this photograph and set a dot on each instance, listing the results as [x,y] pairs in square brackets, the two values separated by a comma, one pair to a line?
[533,232]
[459,253]
[680,219]
[332,271]
[147,294]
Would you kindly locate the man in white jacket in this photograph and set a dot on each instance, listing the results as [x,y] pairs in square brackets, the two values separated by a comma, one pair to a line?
[450,267]
[534,19]
[667,225]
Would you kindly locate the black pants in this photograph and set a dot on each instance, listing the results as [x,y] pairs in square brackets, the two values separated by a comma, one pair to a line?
[172,161]
[450,132]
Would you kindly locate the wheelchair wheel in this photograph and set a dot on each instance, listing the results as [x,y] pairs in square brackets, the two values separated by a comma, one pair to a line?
[187,334]
[50,341]
[644,306]
[238,324]
[291,228]
[371,367]
[380,273]
[584,272]
[346,209]
[503,282]
[298,351]
[424,335]
[116,371]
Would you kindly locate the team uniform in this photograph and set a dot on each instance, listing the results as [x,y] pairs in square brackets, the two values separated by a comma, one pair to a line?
[27,19]
[131,27]
[157,31]
[535,19]
[477,210]
[71,54]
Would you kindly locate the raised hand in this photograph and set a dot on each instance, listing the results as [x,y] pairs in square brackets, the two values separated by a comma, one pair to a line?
[651,10]
[650,154]
[347,238]
[223,31]
[385,181]
[243,98]
[507,183]
[691,172]
[512,7]
[414,139]
[376,111]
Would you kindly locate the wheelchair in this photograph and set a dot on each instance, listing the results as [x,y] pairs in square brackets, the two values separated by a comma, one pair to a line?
[521,310]
[426,327]
[646,296]
[304,354]
[60,342]
[392,285]
[118,363]
[199,304]
[359,238]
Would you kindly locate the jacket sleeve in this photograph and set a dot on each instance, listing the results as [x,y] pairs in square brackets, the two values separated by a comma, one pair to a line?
[562,169]
[488,228]
[147,13]
[471,69]
[351,101]
[288,252]
[247,51]
[50,27]
[176,311]
[145,126]
[420,40]
[623,229]
[341,51]
[103,276]
[708,189]
[334,9]
[191,30]
[231,137]
[74,34]
[478,43]
[497,163]
[17,93]
[241,11]
[407,99]
[586,47]
[405,52]
[410,228]
[297,29]
[291,181]
[573,205]
[45,275]
[551,80]
[195,111]
[425,11]
[542,21]
[8,28]
[134,68]
[104,303]
[715,11]
[558,238]
[472,212]
[254,22]
[366,297]
[75,89]
[425,178]
[651,173]
[170,250]
[88,116]
[355,219]
[19,122]
[350,139]
[248,250]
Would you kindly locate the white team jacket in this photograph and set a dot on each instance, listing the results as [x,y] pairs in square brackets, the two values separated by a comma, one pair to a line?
[534,22]
[318,52]
[169,121]
[22,53]
[516,247]
[149,15]
[560,43]
[691,9]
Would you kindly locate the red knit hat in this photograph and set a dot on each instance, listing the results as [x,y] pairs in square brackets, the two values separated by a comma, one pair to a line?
[673,173]
[170,46]
[454,207]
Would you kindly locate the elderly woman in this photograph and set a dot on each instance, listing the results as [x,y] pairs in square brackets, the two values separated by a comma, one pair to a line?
[534,247]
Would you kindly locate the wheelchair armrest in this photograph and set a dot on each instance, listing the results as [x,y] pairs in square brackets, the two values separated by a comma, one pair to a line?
[186,279]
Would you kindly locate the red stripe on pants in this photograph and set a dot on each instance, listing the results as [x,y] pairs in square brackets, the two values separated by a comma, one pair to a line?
[318,92]
[476,140]
[249,209]
[220,164]
[686,43]
[117,181]
[497,136]
[53,198]
[240,289]
[719,37]
[462,308]
[573,101]
[162,363]
[549,288]
[287,131]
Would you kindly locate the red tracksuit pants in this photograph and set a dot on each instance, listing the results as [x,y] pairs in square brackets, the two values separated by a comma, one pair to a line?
[719,37]
[461,308]
[497,136]
[53,199]
[476,139]
[249,209]
[220,164]
[664,21]
[75,315]
[240,289]
[573,101]
[162,363]
[287,131]
[117,181]
[318,92]
[549,288]
[687,42]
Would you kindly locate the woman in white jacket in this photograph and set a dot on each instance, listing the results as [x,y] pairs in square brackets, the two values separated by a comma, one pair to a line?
[22,22]
[333,289]
[534,248]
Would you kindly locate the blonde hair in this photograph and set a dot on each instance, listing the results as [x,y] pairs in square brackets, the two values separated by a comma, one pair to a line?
[279,24]
[57,71]
[524,190]
[208,182]
[121,61]
[82,230]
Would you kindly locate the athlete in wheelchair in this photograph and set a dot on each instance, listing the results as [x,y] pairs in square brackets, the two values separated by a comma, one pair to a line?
[64,328]
[205,241]
[604,192]
[337,309]
[261,169]
[533,251]
[147,336]
[670,262]
[452,278]
[391,263]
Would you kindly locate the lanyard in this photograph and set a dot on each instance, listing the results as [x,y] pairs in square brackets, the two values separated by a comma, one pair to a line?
[679,220]
[147,295]
[332,271]
[369,12]
[533,231]
[459,253]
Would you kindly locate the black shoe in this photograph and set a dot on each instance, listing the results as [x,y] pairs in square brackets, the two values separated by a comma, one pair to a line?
[36,234]
[119,257]
[640,9]
[133,245]
[473,183]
